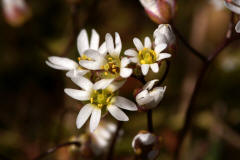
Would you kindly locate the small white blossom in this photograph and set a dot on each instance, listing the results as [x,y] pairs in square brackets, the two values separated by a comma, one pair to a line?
[108,61]
[150,97]
[99,97]
[164,34]
[61,63]
[147,57]
[15,11]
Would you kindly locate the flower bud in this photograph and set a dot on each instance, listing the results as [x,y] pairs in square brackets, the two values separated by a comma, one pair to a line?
[146,145]
[164,34]
[234,6]
[160,11]
[16,11]
[150,97]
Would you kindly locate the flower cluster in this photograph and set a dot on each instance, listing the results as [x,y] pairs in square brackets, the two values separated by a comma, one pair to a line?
[103,69]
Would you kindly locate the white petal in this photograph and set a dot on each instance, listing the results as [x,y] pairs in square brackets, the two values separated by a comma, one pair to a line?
[102,84]
[83,83]
[77,94]
[145,68]
[66,63]
[109,43]
[154,67]
[56,66]
[130,52]
[160,47]
[117,113]
[237,27]
[232,7]
[103,49]
[161,39]
[118,44]
[82,42]
[94,43]
[116,85]
[83,115]
[134,59]
[125,61]
[162,56]
[91,65]
[138,44]
[157,93]
[147,42]
[124,103]
[95,119]
[125,72]
[143,98]
[149,85]
[76,73]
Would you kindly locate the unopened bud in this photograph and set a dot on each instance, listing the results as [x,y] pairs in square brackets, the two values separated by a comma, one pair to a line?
[160,11]
[16,11]
[146,145]
[234,6]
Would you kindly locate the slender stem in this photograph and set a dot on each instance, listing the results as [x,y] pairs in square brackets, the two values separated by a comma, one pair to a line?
[184,41]
[190,109]
[149,120]
[113,142]
[52,150]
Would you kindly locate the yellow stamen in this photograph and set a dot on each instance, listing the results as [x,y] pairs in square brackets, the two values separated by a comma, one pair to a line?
[91,100]
[105,73]
[108,99]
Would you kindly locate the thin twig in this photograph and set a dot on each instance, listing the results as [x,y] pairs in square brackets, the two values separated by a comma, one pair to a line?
[150,121]
[184,41]
[190,109]
[52,150]
[113,142]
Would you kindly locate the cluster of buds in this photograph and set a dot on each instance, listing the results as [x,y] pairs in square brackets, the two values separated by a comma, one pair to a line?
[160,11]
[16,11]
[234,6]
[146,145]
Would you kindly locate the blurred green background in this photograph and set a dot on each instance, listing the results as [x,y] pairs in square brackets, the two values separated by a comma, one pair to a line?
[35,114]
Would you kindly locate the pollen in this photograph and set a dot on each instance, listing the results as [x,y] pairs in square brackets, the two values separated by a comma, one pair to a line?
[147,56]
[101,98]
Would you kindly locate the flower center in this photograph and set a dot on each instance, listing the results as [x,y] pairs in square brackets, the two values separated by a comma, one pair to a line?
[101,98]
[147,56]
[112,66]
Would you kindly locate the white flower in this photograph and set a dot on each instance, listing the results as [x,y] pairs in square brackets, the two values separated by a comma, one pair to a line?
[164,34]
[109,61]
[234,6]
[99,97]
[15,11]
[150,97]
[147,57]
[66,64]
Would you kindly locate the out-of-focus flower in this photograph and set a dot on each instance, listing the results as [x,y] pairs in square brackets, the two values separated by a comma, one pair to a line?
[150,97]
[234,6]
[109,61]
[164,34]
[99,97]
[96,143]
[146,57]
[16,11]
[146,145]
[66,64]
[160,11]
[218,4]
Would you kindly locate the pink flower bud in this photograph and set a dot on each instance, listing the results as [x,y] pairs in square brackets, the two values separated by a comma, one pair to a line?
[16,11]
[160,11]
